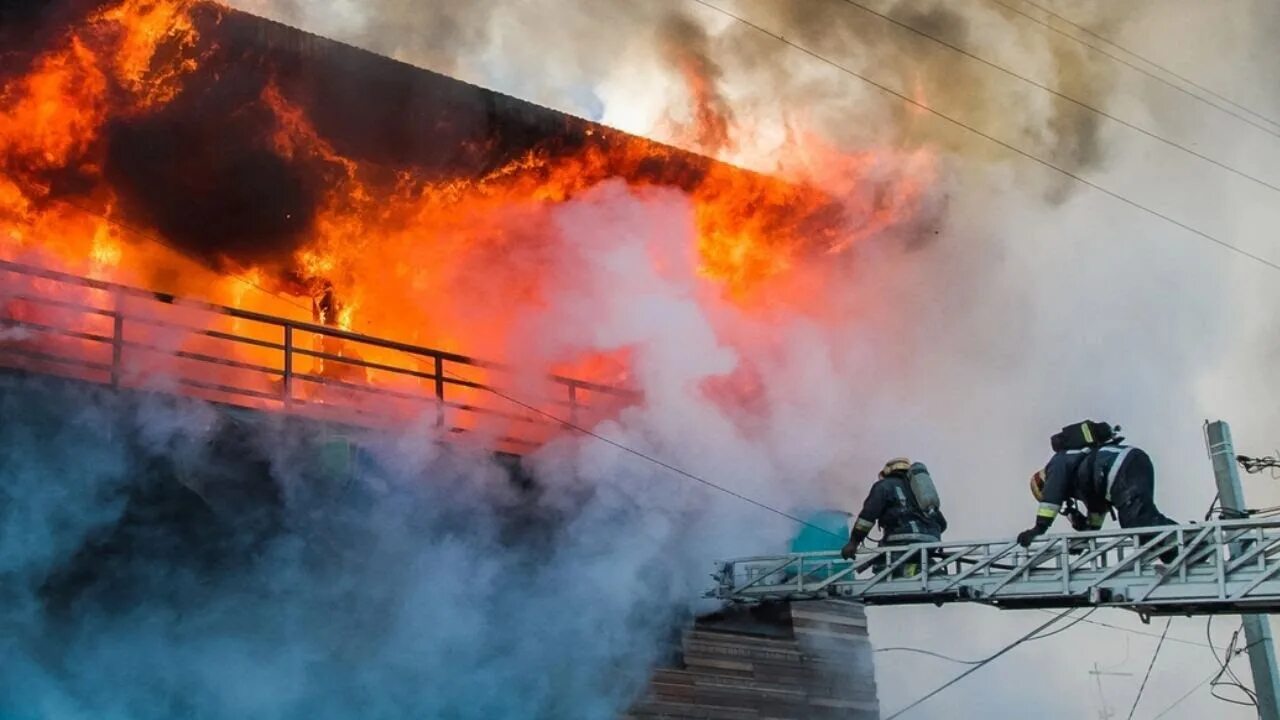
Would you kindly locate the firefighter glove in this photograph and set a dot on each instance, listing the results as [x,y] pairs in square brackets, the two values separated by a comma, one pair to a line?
[849,550]
[1026,536]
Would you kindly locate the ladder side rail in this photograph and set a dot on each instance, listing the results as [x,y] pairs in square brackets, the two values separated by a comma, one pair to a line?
[761,576]
[1262,577]
[890,567]
[1178,564]
[1134,559]
[991,558]
[1256,554]
[1048,550]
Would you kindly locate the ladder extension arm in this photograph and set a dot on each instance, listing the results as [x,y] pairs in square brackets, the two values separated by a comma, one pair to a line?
[1230,566]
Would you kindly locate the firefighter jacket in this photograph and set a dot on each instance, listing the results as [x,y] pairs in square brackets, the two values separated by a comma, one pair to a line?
[892,504]
[1085,475]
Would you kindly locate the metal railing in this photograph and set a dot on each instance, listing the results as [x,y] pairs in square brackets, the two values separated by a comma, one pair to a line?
[1214,567]
[53,322]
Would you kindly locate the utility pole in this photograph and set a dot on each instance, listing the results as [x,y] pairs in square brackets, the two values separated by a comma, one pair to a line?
[1257,628]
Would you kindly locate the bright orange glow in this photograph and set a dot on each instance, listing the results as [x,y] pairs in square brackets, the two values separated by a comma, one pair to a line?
[53,114]
[143,28]
[441,263]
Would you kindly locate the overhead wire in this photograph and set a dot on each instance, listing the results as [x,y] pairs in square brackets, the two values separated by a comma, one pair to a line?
[1255,465]
[1135,67]
[656,461]
[1063,96]
[1074,622]
[981,664]
[1212,676]
[1224,664]
[931,653]
[993,139]
[1132,631]
[1061,18]
[1152,664]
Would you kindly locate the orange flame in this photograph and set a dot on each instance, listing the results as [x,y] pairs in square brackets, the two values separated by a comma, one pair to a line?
[433,262]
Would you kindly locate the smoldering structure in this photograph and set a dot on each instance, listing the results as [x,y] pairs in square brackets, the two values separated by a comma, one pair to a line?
[174,558]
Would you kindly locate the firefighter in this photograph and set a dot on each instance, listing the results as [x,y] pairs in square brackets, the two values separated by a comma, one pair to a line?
[1091,464]
[905,504]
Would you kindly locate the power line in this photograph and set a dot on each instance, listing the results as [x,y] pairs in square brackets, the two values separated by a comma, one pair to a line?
[1151,665]
[1212,676]
[1224,665]
[1150,62]
[938,655]
[1132,66]
[1063,96]
[1012,148]
[660,463]
[1132,631]
[930,653]
[1186,695]
[981,664]
[1074,622]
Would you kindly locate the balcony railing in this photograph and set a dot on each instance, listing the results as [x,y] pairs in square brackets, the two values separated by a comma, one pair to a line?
[57,323]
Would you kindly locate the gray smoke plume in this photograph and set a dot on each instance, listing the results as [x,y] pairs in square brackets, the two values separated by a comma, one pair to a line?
[429,586]
[1021,316]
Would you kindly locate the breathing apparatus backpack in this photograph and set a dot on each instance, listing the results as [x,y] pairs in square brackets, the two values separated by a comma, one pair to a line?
[922,487]
[1082,435]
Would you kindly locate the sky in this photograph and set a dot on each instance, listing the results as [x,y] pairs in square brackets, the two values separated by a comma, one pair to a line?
[1039,301]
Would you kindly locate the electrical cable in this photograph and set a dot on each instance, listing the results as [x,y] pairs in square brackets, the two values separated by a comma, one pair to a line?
[1213,505]
[1253,466]
[1074,622]
[1150,62]
[1058,94]
[660,463]
[1225,669]
[1132,66]
[1008,146]
[930,653]
[1151,665]
[1185,695]
[980,665]
[1132,631]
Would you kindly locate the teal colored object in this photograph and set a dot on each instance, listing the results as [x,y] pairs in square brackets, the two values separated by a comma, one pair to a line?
[334,459]
[827,531]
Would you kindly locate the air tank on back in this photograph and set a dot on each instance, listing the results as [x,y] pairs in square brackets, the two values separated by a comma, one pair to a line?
[922,487]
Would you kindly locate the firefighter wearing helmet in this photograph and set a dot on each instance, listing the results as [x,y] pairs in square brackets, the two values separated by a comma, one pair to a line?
[1092,465]
[905,503]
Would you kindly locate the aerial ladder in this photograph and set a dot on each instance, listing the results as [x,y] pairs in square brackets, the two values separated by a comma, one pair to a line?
[1225,566]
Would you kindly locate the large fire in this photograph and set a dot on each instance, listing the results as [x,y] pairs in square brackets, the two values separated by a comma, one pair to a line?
[425,255]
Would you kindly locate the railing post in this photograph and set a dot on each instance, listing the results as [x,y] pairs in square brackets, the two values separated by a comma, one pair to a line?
[117,339]
[439,391]
[287,388]
[573,403]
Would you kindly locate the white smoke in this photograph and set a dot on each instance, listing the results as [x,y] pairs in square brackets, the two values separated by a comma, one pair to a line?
[1021,316]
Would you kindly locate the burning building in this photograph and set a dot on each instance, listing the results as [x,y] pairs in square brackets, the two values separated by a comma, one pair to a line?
[248,207]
